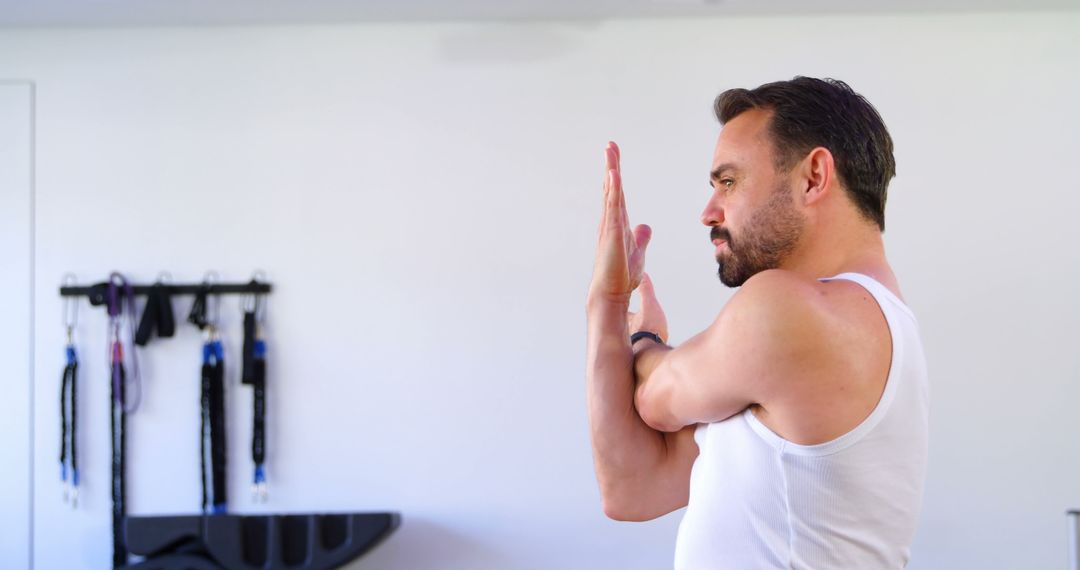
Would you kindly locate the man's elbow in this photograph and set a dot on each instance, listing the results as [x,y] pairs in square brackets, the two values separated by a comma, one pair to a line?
[620,513]
[615,504]
[614,512]
[662,421]
[654,411]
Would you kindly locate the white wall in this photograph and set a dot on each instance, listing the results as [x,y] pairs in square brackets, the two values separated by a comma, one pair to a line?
[425,198]
[16,133]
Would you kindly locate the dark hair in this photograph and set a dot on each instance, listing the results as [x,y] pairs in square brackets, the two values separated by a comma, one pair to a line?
[808,113]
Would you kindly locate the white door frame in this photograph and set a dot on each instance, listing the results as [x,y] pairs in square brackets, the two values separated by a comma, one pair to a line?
[17,330]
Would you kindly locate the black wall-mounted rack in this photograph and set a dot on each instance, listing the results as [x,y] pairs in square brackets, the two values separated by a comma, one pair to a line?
[99,290]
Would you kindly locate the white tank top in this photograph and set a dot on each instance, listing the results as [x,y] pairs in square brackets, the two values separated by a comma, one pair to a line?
[760,501]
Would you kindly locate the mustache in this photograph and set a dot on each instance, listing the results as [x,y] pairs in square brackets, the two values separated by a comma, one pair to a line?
[718,233]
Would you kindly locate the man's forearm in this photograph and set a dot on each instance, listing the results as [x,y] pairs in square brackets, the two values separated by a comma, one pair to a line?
[625,449]
[648,395]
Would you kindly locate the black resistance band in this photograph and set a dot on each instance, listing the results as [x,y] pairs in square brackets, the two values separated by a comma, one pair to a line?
[212,410]
[69,389]
[68,421]
[118,401]
[254,373]
[213,413]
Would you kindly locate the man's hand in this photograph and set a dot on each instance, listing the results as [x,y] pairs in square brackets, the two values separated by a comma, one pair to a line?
[620,252]
[651,317]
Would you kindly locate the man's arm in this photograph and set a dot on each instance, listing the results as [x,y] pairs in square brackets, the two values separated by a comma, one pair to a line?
[642,473]
[769,330]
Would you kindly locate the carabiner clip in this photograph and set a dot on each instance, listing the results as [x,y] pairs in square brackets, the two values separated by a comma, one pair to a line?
[71,309]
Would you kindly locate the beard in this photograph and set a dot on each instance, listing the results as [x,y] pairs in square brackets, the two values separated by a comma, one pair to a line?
[770,236]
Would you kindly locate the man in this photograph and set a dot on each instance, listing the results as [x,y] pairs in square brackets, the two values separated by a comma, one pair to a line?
[794,428]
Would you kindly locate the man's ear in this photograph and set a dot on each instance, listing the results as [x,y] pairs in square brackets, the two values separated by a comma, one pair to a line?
[816,174]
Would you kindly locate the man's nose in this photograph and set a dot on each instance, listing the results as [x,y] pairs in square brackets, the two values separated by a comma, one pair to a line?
[713,215]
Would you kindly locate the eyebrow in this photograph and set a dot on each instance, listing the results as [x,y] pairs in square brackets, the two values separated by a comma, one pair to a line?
[719,171]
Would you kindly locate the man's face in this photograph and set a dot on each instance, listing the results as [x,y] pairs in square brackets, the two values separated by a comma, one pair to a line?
[752,218]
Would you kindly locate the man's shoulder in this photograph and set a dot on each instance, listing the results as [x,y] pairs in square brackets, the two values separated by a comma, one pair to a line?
[807,338]
[777,282]
[777,297]
[783,315]
[786,295]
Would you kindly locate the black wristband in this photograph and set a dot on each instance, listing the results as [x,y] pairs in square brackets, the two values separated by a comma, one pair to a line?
[644,334]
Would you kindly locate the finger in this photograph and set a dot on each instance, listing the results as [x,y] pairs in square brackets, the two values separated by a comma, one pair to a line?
[606,208]
[648,293]
[611,162]
[602,226]
[611,159]
[617,155]
[620,198]
[647,284]
[625,213]
[618,202]
[642,237]
[608,161]
[613,217]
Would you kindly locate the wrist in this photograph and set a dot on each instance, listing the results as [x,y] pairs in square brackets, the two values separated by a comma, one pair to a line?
[604,302]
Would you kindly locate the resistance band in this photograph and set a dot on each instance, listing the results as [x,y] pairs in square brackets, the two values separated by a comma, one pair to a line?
[212,409]
[254,374]
[118,289]
[69,458]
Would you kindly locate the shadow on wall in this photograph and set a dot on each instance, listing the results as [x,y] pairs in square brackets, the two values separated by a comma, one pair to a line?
[420,543]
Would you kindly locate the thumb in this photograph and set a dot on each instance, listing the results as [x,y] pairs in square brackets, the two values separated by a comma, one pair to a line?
[648,293]
[642,236]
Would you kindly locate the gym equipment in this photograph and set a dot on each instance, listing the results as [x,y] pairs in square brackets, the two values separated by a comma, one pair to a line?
[265,542]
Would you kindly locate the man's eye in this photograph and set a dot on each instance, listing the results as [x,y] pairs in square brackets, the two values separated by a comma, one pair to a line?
[727,183]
